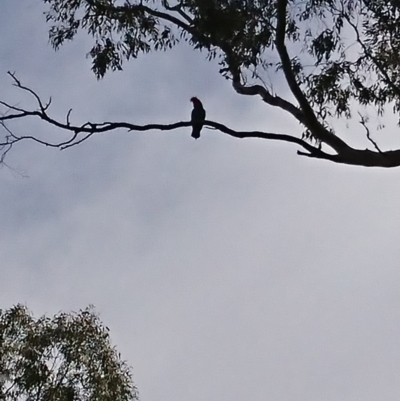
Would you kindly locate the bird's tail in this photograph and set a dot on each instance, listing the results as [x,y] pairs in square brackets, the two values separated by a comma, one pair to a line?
[196,132]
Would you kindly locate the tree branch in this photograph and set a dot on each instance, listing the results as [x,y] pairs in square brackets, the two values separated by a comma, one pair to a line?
[88,129]
[98,128]
[80,133]
[267,97]
[310,120]
[384,75]
[363,122]
[129,8]
[178,8]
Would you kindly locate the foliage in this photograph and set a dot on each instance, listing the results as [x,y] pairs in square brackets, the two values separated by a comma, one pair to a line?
[64,358]
[339,58]
[243,34]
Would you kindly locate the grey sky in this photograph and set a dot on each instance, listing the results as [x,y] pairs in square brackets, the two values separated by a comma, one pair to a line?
[226,269]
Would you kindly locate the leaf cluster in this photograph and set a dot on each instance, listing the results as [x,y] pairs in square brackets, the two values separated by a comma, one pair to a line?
[64,358]
[119,33]
[349,48]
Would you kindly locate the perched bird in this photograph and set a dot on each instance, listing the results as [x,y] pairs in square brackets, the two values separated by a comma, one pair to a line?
[198,114]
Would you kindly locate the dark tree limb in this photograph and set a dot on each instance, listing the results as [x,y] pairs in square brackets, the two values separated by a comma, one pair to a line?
[311,121]
[128,8]
[81,133]
[363,122]
[178,8]
[266,96]
[97,128]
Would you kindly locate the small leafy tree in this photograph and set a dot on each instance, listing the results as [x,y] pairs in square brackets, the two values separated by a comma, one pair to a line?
[64,358]
[339,59]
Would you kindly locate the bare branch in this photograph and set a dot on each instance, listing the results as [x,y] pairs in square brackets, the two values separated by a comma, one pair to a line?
[81,133]
[97,128]
[89,128]
[71,143]
[19,85]
[267,97]
[363,122]
[68,115]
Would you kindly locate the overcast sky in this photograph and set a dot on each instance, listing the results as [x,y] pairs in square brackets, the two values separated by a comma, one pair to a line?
[226,269]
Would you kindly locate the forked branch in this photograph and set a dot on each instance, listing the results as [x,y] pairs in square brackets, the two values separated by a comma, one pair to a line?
[81,133]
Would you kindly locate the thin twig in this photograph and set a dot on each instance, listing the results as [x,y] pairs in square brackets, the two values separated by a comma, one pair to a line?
[363,122]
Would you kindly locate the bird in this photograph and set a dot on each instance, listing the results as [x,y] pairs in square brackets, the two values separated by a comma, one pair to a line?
[198,114]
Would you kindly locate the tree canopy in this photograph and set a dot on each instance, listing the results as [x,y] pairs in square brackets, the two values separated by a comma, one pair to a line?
[338,58]
[66,358]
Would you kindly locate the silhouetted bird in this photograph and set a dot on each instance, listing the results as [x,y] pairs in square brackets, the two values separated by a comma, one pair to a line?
[198,114]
